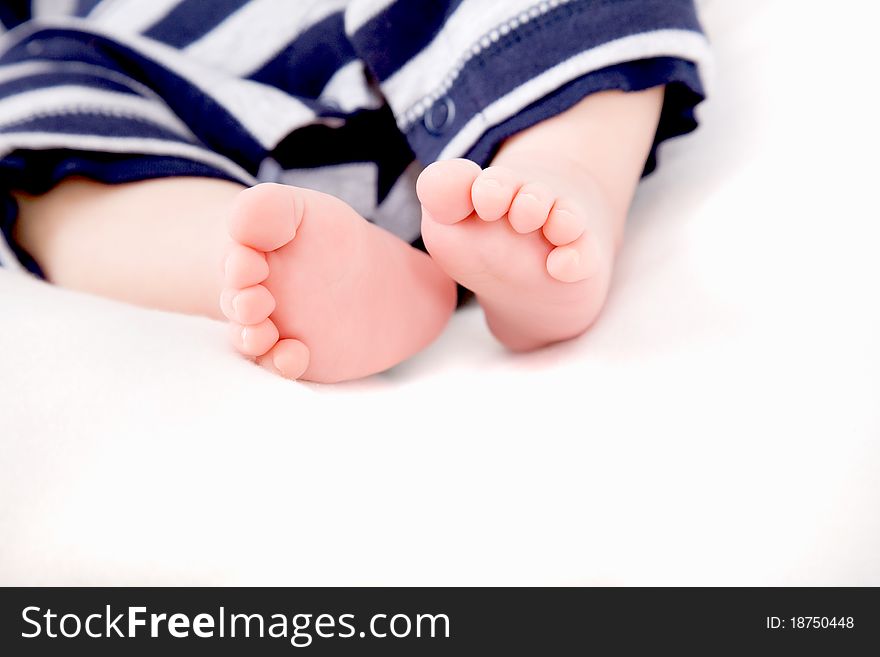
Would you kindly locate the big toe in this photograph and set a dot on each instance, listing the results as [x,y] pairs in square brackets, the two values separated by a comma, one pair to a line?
[265,217]
[444,189]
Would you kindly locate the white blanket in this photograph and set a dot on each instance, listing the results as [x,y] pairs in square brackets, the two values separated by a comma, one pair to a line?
[720,424]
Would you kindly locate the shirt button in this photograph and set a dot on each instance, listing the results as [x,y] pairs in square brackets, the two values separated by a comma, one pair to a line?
[440,116]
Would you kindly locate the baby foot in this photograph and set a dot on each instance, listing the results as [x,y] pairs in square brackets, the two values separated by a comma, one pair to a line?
[538,262]
[313,290]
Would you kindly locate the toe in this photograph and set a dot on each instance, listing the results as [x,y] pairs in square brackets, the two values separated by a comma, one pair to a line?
[574,262]
[444,189]
[530,208]
[289,358]
[493,192]
[564,225]
[248,306]
[226,302]
[266,217]
[244,267]
[254,340]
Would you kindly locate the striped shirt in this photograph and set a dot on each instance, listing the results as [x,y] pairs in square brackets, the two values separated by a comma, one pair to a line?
[350,97]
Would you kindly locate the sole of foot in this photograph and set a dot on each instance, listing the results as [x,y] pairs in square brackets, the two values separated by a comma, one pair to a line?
[534,243]
[314,291]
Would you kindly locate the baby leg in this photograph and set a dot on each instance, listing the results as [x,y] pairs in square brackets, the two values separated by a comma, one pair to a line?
[310,288]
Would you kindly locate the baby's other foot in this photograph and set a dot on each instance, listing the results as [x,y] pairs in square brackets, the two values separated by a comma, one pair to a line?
[534,242]
[313,290]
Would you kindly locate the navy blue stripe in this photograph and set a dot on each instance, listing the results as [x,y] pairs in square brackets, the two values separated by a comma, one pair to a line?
[100,125]
[683,93]
[84,7]
[398,33]
[36,172]
[190,21]
[537,46]
[8,216]
[54,79]
[305,66]
[14,12]
[548,40]
[210,122]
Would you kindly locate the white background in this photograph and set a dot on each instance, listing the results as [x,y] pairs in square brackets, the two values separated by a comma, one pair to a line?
[720,425]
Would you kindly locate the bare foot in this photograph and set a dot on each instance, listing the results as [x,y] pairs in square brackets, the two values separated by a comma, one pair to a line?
[534,240]
[313,290]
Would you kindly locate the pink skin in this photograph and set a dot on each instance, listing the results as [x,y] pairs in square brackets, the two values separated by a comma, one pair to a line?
[539,264]
[313,291]
[538,273]
[535,234]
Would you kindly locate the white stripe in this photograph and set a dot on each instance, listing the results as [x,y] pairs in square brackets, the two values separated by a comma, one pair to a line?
[43,8]
[251,36]
[463,29]
[360,12]
[131,15]
[267,113]
[661,43]
[42,141]
[349,91]
[24,69]
[72,99]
